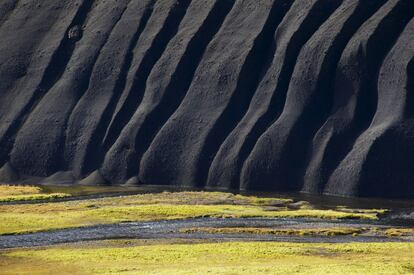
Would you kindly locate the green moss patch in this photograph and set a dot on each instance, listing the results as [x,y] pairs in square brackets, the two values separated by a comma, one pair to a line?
[35,217]
[18,193]
[131,257]
[334,231]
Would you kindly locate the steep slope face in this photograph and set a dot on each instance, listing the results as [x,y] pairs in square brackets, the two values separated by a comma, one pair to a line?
[305,95]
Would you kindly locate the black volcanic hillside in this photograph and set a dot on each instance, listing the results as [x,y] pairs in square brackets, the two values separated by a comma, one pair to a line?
[304,95]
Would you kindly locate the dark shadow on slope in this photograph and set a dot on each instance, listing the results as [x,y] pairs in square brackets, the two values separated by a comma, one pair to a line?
[297,149]
[53,72]
[378,46]
[168,31]
[95,153]
[319,14]
[409,108]
[256,65]
[181,79]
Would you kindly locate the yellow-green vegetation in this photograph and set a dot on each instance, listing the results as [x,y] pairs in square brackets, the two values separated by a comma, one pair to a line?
[365,211]
[161,206]
[334,231]
[331,231]
[14,193]
[399,232]
[132,257]
[80,190]
[15,190]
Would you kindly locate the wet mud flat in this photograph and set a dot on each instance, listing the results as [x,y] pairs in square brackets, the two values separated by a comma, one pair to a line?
[173,229]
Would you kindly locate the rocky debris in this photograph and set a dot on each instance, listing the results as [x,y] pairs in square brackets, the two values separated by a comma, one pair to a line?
[75,33]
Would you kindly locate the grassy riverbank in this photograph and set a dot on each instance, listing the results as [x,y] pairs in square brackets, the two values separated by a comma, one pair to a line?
[32,209]
[15,193]
[158,257]
[49,215]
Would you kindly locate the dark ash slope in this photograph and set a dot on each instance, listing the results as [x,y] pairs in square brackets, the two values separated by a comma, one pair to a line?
[305,95]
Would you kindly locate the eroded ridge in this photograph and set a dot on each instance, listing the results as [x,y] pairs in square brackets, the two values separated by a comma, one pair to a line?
[305,95]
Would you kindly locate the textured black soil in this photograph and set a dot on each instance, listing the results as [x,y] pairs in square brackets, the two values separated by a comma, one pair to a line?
[305,95]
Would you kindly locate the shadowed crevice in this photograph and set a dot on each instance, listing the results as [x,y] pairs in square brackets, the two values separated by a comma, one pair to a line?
[255,67]
[181,79]
[315,17]
[168,31]
[378,46]
[94,154]
[296,151]
[53,72]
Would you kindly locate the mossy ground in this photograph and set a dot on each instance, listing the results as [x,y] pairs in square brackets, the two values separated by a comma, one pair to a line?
[187,256]
[333,231]
[15,193]
[399,232]
[35,217]
[138,257]
[307,231]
